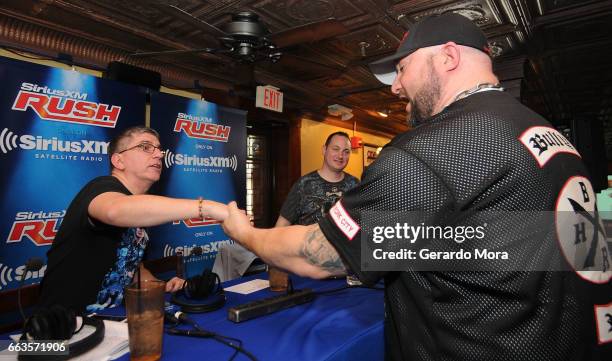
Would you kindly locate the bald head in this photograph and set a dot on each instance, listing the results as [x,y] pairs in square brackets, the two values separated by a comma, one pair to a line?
[476,58]
[430,78]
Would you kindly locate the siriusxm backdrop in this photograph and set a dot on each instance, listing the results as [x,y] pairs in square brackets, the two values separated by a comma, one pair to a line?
[54,132]
[205,157]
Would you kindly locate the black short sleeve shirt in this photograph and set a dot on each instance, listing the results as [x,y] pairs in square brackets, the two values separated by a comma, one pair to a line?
[470,158]
[312,196]
[83,251]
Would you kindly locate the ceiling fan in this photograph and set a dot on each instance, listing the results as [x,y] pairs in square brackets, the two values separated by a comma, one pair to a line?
[246,39]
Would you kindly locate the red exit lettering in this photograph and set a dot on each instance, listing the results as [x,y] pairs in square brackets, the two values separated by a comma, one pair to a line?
[271,98]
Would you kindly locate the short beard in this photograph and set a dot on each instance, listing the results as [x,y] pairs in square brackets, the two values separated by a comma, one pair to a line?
[426,98]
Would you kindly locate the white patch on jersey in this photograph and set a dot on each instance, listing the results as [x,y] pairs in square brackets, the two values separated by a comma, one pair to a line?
[603,319]
[546,142]
[344,221]
[580,231]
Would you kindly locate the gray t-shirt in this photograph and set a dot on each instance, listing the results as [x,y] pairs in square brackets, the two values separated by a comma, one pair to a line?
[312,196]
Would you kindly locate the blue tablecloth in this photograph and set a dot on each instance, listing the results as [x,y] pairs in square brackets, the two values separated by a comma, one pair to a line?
[344,325]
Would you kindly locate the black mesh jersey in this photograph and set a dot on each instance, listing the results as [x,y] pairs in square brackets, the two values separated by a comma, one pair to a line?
[470,157]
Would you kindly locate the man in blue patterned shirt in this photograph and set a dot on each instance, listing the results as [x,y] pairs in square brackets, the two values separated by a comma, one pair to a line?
[101,242]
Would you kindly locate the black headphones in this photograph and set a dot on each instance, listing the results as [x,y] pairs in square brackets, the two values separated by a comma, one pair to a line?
[59,323]
[198,288]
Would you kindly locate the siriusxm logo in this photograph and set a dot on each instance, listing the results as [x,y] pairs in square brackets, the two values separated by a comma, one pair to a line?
[9,274]
[50,91]
[186,250]
[171,159]
[10,141]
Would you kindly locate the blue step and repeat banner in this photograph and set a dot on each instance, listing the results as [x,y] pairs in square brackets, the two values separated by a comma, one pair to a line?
[205,157]
[54,132]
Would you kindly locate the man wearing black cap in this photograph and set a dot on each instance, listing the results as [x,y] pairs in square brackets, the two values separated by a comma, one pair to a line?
[425,93]
[475,150]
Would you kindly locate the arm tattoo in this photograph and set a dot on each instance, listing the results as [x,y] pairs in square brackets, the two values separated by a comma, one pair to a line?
[319,252]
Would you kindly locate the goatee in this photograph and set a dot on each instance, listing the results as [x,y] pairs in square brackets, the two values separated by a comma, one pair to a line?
[425,99]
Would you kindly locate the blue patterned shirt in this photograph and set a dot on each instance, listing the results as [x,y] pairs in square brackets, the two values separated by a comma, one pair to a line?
[129,255]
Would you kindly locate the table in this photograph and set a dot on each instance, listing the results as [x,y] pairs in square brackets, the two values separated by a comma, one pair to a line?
[344,325]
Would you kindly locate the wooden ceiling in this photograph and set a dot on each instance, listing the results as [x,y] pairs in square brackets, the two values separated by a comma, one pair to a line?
[550,53]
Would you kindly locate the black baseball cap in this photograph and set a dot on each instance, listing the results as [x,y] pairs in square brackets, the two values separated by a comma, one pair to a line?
[430,31]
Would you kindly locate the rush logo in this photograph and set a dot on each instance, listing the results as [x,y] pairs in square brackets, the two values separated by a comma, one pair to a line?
[61,109]
[197,222]
[40,231]
[201,130]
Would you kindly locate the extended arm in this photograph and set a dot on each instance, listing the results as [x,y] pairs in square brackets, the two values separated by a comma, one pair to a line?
[282,222]
[302,250]
[145,210]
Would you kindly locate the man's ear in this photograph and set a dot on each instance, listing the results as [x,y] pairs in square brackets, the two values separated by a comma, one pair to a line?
[323,148]
[117,161]
[451,56]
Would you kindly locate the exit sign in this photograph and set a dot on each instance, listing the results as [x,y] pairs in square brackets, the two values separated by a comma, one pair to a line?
[269,97]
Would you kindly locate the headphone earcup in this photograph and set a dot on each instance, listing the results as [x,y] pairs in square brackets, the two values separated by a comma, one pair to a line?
[54,323]
[200,286]
[62,322]
[59,324]
[35,325]
[190,286]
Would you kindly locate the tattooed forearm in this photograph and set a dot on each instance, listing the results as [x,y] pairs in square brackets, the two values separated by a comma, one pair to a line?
[318,252]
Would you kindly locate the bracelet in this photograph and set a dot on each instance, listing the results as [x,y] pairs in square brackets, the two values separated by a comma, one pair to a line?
[200,201]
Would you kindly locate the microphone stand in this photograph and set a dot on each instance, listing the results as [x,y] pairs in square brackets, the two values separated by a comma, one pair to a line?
[32,265]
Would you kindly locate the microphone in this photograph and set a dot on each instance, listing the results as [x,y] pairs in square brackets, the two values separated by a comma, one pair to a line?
[177,317]
[182,317]
[192,333]
[32,264]
[171,318]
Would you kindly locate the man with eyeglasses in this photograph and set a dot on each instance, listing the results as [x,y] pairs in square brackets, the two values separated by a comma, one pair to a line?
[100,244]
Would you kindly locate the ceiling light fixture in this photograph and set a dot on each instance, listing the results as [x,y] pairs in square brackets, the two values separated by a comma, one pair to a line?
[363,45]
[341,111]
[383,113]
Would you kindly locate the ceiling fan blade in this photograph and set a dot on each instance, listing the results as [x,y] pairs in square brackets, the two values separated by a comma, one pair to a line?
[150,54]
[309,33]
[192,20]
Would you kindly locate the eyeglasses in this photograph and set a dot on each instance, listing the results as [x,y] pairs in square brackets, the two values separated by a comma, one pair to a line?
[145,147]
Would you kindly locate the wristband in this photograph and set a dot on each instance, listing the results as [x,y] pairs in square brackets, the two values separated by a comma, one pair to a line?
[200,201]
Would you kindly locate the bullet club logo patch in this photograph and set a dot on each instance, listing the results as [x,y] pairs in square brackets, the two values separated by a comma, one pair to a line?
[546,142]
[580,231]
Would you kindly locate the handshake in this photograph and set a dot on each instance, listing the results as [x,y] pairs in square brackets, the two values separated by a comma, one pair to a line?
[235,222]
